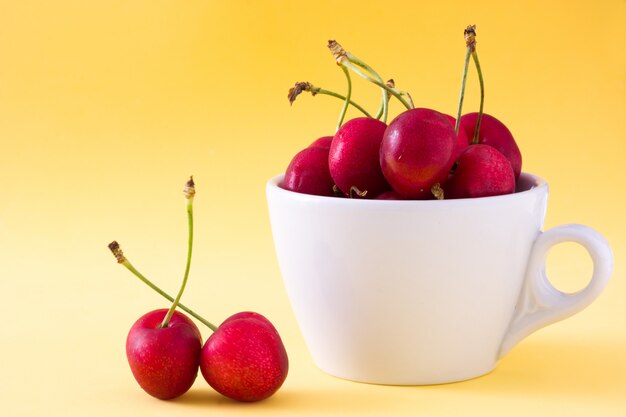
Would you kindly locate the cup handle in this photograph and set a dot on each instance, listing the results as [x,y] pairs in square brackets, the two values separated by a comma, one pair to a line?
[539,303]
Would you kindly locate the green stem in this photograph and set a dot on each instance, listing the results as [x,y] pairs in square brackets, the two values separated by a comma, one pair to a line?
[352,103]
[165,295]
[342,115]
[380,111]
[347,60]
[382,85]
[383,109]
[305,86]
[462,93]
[189,193]
[482,96]
[408,98]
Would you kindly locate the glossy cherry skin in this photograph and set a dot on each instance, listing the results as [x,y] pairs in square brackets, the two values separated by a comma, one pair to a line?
[389,195]
[495,134]
[323,142]
[417,152]
[164,361]
[462,141]
[354,156]
[308,172]
[245,359]
[481,171]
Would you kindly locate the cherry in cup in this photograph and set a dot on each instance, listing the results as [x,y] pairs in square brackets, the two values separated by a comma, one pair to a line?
[322,142]
[416,152]
[492,162]
[481,171]
[462,139]
[308,172]
[493,133]
[353,159]
[421,154]
[164,347]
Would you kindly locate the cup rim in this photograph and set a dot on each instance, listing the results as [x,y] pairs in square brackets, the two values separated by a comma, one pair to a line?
[535,184]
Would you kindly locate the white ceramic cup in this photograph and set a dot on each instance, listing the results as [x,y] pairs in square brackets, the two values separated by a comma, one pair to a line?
[423,292]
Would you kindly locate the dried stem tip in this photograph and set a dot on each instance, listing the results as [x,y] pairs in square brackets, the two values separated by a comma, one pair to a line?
[190,189]
[437,191]
[355,192]
[470,37]
[117,252]
[295,91]
[337,50]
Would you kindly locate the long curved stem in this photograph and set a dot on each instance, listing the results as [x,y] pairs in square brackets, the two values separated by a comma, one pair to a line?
[347,60]
[339,96]
[380,111]
[189,194]
[408,98]
[383,110]
[381,84]
[462,93]
[306,86]
[342,115]
[121,259]
[482,96]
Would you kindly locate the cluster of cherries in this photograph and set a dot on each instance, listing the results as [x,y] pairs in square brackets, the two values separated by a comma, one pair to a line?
[421,154]
[244,359]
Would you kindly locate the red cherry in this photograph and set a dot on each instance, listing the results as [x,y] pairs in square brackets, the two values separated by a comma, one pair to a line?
[416,152]
[308,172]
[354,154]
[389,195]
[495,134]
[323,142]
[462,141]
[245,359]
[481,171]
[164,361]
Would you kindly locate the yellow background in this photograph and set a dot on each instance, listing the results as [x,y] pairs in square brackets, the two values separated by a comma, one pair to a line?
[106,107]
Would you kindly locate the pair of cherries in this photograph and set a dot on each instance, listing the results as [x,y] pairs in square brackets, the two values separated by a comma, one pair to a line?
[243,359]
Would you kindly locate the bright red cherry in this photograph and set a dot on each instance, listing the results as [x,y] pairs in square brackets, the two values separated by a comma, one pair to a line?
[354,157]
[164,361]
[417,152]
[495,134]
[245,359]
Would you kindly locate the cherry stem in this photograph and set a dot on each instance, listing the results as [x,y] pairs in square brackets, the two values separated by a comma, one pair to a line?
[348,60]
[337,50]
[470,43]
[355,192]
[392,85]
[342,115]
[394,92]
[121,259]
[308,87]
[482,95]
[462,93]
[437,191]
[381,108]
[190,192]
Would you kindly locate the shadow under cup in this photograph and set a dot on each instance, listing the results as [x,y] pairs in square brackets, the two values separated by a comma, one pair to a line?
[422,292]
